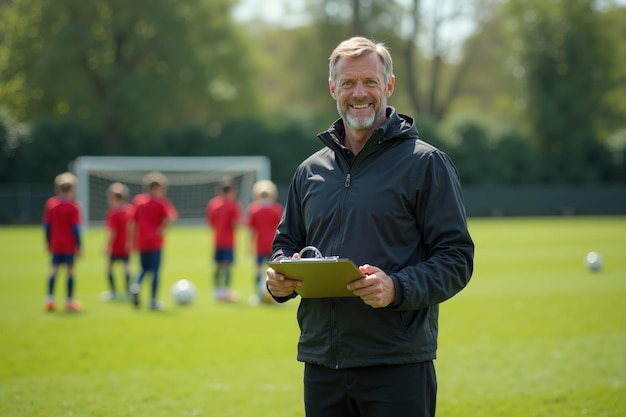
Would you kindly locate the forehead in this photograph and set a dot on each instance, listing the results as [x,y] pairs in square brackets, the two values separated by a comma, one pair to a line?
[367,66]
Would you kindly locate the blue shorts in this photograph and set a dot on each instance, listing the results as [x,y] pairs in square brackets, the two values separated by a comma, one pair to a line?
[114,258]
[59,258]
[224,255]
[262,258]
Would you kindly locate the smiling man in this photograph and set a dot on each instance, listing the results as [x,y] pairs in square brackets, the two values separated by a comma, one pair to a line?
[392,203]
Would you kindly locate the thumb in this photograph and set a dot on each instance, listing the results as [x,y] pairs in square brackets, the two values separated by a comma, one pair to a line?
[368,269]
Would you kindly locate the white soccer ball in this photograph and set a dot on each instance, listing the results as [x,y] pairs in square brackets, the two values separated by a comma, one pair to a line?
[183,291]
[594,261]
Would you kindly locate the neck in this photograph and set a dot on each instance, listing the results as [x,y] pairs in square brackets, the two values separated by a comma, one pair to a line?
[355,139]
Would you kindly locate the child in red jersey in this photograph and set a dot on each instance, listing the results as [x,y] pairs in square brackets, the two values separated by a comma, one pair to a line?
[264,214]
[61,221]
[153,213]
[118,219]
[223,213]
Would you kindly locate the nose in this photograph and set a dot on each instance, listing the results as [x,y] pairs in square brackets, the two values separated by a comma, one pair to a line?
[360,90]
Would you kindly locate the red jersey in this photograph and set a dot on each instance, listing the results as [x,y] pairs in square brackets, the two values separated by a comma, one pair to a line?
[140,199]
[62,217]
[51,202]
[150,218]
[223,215]
[118,221]
[263,219]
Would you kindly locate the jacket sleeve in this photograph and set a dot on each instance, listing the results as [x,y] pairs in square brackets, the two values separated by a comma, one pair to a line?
[290,235]
[448,249]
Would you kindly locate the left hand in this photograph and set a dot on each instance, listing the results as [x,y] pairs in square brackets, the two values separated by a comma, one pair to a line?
[376,289]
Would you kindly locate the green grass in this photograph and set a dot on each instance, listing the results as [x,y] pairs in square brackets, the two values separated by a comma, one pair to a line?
[534,334]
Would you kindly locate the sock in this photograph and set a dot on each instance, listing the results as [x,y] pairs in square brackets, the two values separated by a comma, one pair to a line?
[217,278]
[51,281]
[140,277]
[70,288]
[155,284]
[111,283]
[227,278]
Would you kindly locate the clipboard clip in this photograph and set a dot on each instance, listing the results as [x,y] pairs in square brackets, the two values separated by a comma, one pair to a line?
[316,251]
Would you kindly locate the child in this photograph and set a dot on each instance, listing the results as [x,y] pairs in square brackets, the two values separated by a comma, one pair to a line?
[153,213]
[118,219]
[264,214]
[223,213]
[61,221]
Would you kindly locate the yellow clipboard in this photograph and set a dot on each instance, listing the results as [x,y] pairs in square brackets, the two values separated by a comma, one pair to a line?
[321,277]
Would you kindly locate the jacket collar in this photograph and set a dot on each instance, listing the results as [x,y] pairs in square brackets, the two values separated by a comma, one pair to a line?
[396,126]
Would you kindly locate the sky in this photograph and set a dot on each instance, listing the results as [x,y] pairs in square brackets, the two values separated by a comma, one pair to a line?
[271,11]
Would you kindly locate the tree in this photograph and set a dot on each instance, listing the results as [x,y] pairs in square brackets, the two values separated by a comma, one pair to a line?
[124,67]
[12,135]
[432,56]
[564,61]
[431,67]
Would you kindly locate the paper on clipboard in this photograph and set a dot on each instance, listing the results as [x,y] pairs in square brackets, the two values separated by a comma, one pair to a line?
[321,277]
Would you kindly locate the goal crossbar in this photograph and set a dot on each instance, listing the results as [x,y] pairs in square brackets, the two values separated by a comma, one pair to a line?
[183,174]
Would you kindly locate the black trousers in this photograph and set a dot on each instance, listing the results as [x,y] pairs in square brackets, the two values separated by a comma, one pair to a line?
[377,391]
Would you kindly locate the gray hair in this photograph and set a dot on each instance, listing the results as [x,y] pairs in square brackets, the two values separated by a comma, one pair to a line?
[360,46]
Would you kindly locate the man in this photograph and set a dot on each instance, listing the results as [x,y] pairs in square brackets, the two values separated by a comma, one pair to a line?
[392,203]
[223,213]
[154,212]
[61,221]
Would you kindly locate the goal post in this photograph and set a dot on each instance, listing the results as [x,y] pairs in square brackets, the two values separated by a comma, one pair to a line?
[191,181]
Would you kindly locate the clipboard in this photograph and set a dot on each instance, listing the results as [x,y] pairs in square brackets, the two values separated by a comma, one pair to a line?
[321,276]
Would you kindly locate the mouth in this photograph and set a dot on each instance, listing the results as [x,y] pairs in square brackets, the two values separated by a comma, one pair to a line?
[360,106]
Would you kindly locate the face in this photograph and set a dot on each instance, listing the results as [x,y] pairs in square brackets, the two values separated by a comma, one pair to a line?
[361,92]
[158,191]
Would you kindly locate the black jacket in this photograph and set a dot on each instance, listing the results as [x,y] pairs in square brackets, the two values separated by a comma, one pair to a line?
[399,207]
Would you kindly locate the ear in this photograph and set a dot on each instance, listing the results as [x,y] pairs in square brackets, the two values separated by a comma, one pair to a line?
[331,86]
[390,86]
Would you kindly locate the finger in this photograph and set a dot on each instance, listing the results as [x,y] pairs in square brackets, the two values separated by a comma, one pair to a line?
[368,269]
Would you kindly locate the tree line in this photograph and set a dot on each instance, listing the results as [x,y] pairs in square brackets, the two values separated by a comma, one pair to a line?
[534,94]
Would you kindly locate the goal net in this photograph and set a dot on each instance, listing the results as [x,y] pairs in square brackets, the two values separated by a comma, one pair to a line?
[191,181]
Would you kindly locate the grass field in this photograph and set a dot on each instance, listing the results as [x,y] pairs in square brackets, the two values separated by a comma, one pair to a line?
[534,334]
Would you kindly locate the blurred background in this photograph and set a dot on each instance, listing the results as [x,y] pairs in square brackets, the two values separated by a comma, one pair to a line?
[527,96]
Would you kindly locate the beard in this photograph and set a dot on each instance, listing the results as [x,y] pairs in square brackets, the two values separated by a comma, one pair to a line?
[361,123]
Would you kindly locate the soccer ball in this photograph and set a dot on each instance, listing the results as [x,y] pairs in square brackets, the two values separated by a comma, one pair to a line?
[593,261]
[183,292]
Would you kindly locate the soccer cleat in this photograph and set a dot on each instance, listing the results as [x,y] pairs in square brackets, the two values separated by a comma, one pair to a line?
[73,306]
[156,306]
[50,305]
[228,296]
[134,295]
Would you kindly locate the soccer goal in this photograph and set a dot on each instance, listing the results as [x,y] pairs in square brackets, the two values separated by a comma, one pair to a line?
[192,181]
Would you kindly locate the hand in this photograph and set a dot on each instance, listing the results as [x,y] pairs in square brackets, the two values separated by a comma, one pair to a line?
[376,289]
[279,285]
